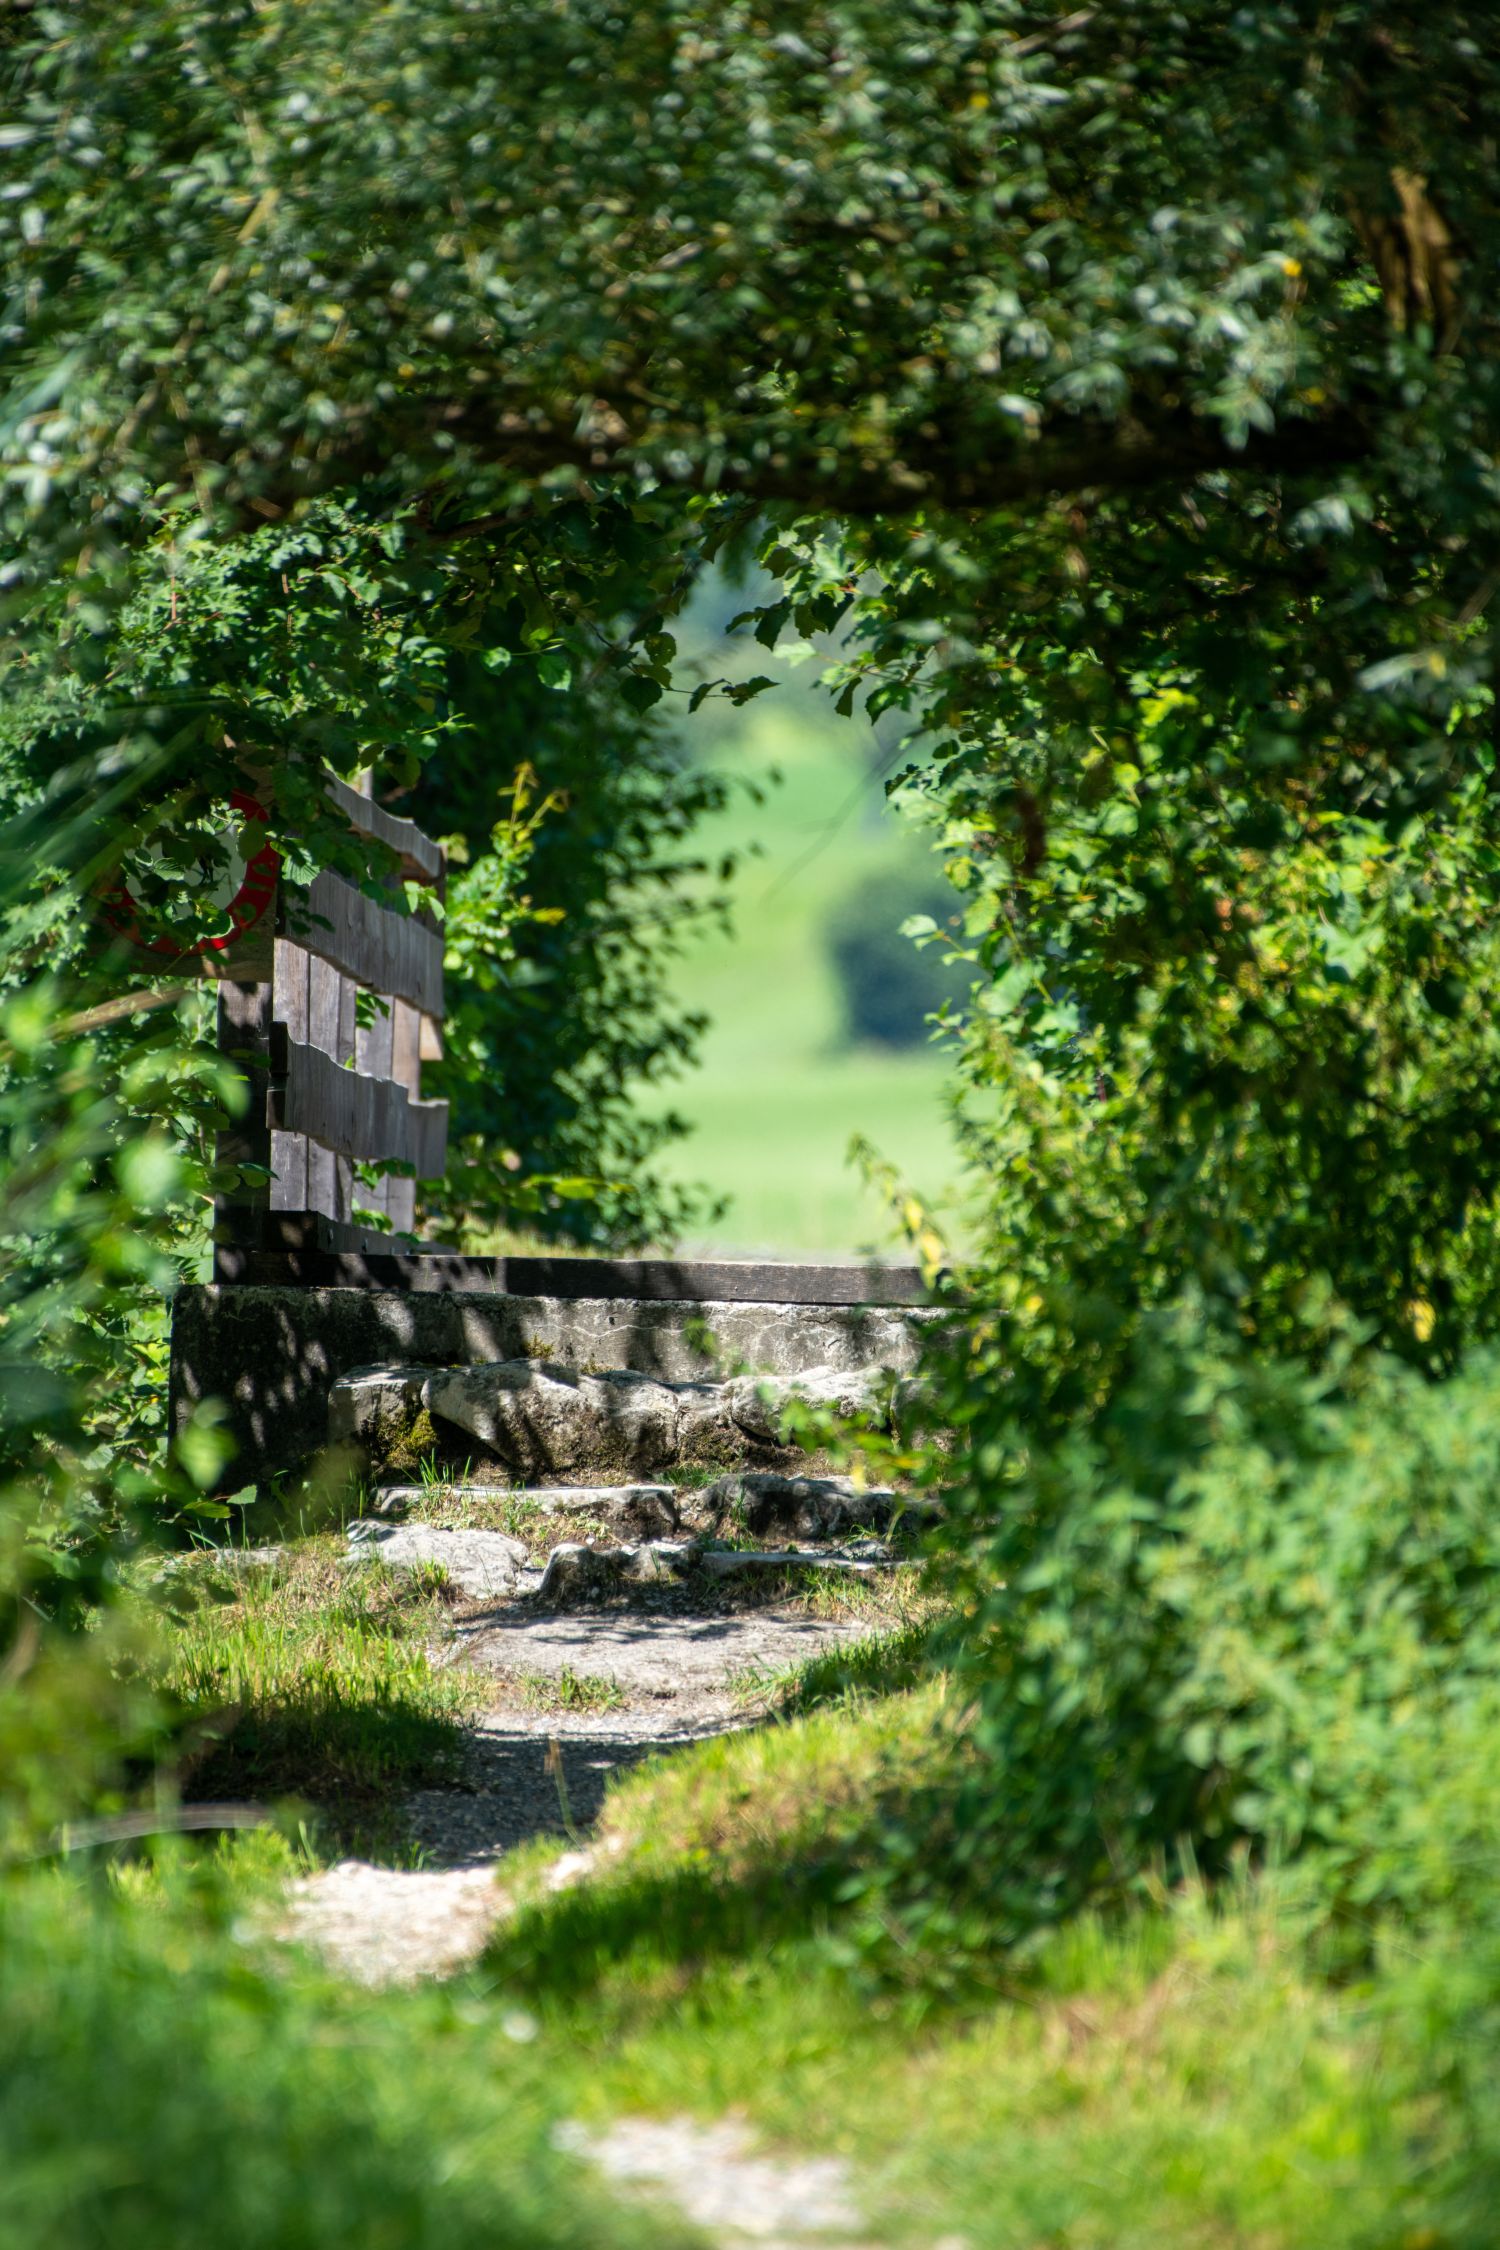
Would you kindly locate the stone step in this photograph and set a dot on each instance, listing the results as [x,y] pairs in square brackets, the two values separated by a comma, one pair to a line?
[576,1572]
[487,1565]
[541,1420]
[764,1502]
[648,1511]
[481,1564]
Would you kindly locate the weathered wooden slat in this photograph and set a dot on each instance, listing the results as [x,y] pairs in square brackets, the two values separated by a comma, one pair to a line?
[374,1044]
[421,858]
[329,1175]
[244,1039]
[289,1006]
[375,1041]
[312,1231]
[357,1117]
[381,950]
[406,1046]
[645,1280]
[406,1069]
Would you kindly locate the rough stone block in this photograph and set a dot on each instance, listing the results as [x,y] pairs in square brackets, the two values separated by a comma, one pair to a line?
[758,1403]
[541,1420]
[749,1562]
[480,1563]
[372,1404]
[647,1511]
[576,1572]
[270,1356]
[763,1502]
[579,1573]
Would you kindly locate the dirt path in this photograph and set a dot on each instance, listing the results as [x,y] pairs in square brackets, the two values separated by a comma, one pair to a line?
[667,1674]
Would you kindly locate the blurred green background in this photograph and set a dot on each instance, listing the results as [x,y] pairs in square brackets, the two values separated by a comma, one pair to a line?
[789,1073]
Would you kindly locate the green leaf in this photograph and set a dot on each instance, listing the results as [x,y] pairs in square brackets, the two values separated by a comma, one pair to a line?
[640,691]
[150,1171]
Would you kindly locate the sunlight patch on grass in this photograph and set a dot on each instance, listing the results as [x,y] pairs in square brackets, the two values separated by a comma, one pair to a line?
[314,1681]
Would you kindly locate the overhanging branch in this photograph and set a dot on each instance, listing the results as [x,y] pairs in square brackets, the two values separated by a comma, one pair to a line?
[950,465]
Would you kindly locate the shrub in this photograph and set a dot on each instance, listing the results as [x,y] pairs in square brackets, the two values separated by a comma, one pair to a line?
[1238,1603]
[159,2088]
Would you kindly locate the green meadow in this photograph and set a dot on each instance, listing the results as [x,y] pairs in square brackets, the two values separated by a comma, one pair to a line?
[782,1089]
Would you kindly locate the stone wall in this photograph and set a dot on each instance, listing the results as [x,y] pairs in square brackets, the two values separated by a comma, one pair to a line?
[272,1355]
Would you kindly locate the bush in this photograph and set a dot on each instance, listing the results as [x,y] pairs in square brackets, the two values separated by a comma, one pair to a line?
[1236,1604]
[891,986]
[160,2089]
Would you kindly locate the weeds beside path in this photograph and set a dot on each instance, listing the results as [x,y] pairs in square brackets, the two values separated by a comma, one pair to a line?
[685,1958]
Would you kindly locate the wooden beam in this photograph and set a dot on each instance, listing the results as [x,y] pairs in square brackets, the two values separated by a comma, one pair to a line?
[374,1048]
[406,1069]
[311,1230]
[245,1031]
[382,951]
[329,1176]
[657,1281]
[421,858]
[356,1117]
[289,1007]
[721,1281]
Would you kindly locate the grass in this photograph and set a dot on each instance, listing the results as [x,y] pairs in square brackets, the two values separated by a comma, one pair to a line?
[889,1600]
[889,1661]
[498,1508]
[1175,2081]
[724,1850]
[313,1681]
[1178,2077]
[161,2087]
[568,1690]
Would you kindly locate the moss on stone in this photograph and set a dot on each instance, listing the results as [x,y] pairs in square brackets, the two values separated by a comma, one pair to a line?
[404,1446]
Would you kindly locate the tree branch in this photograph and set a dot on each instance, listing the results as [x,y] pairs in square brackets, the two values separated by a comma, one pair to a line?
[926,474]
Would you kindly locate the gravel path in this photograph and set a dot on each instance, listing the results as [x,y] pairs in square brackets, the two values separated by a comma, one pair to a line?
[716,2178]
[675,1665]
[678,1675]
[393,1925]
[514,1791]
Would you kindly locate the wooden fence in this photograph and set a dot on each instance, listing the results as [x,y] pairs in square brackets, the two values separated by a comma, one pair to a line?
[335,1079]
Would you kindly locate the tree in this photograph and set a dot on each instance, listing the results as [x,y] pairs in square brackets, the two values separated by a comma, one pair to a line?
[862,260]
[1123,379]
[1131,352]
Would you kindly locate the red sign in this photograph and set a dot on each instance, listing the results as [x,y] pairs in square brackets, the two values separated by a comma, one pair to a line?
[237,894]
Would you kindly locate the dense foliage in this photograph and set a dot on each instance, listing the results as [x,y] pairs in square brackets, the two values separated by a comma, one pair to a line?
[1123,383]
[1239,1604]
[559,927]
[845,255]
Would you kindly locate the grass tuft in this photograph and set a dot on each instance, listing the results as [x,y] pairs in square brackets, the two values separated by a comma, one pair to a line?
[161,2088]
[568,1690]
[315,1681]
